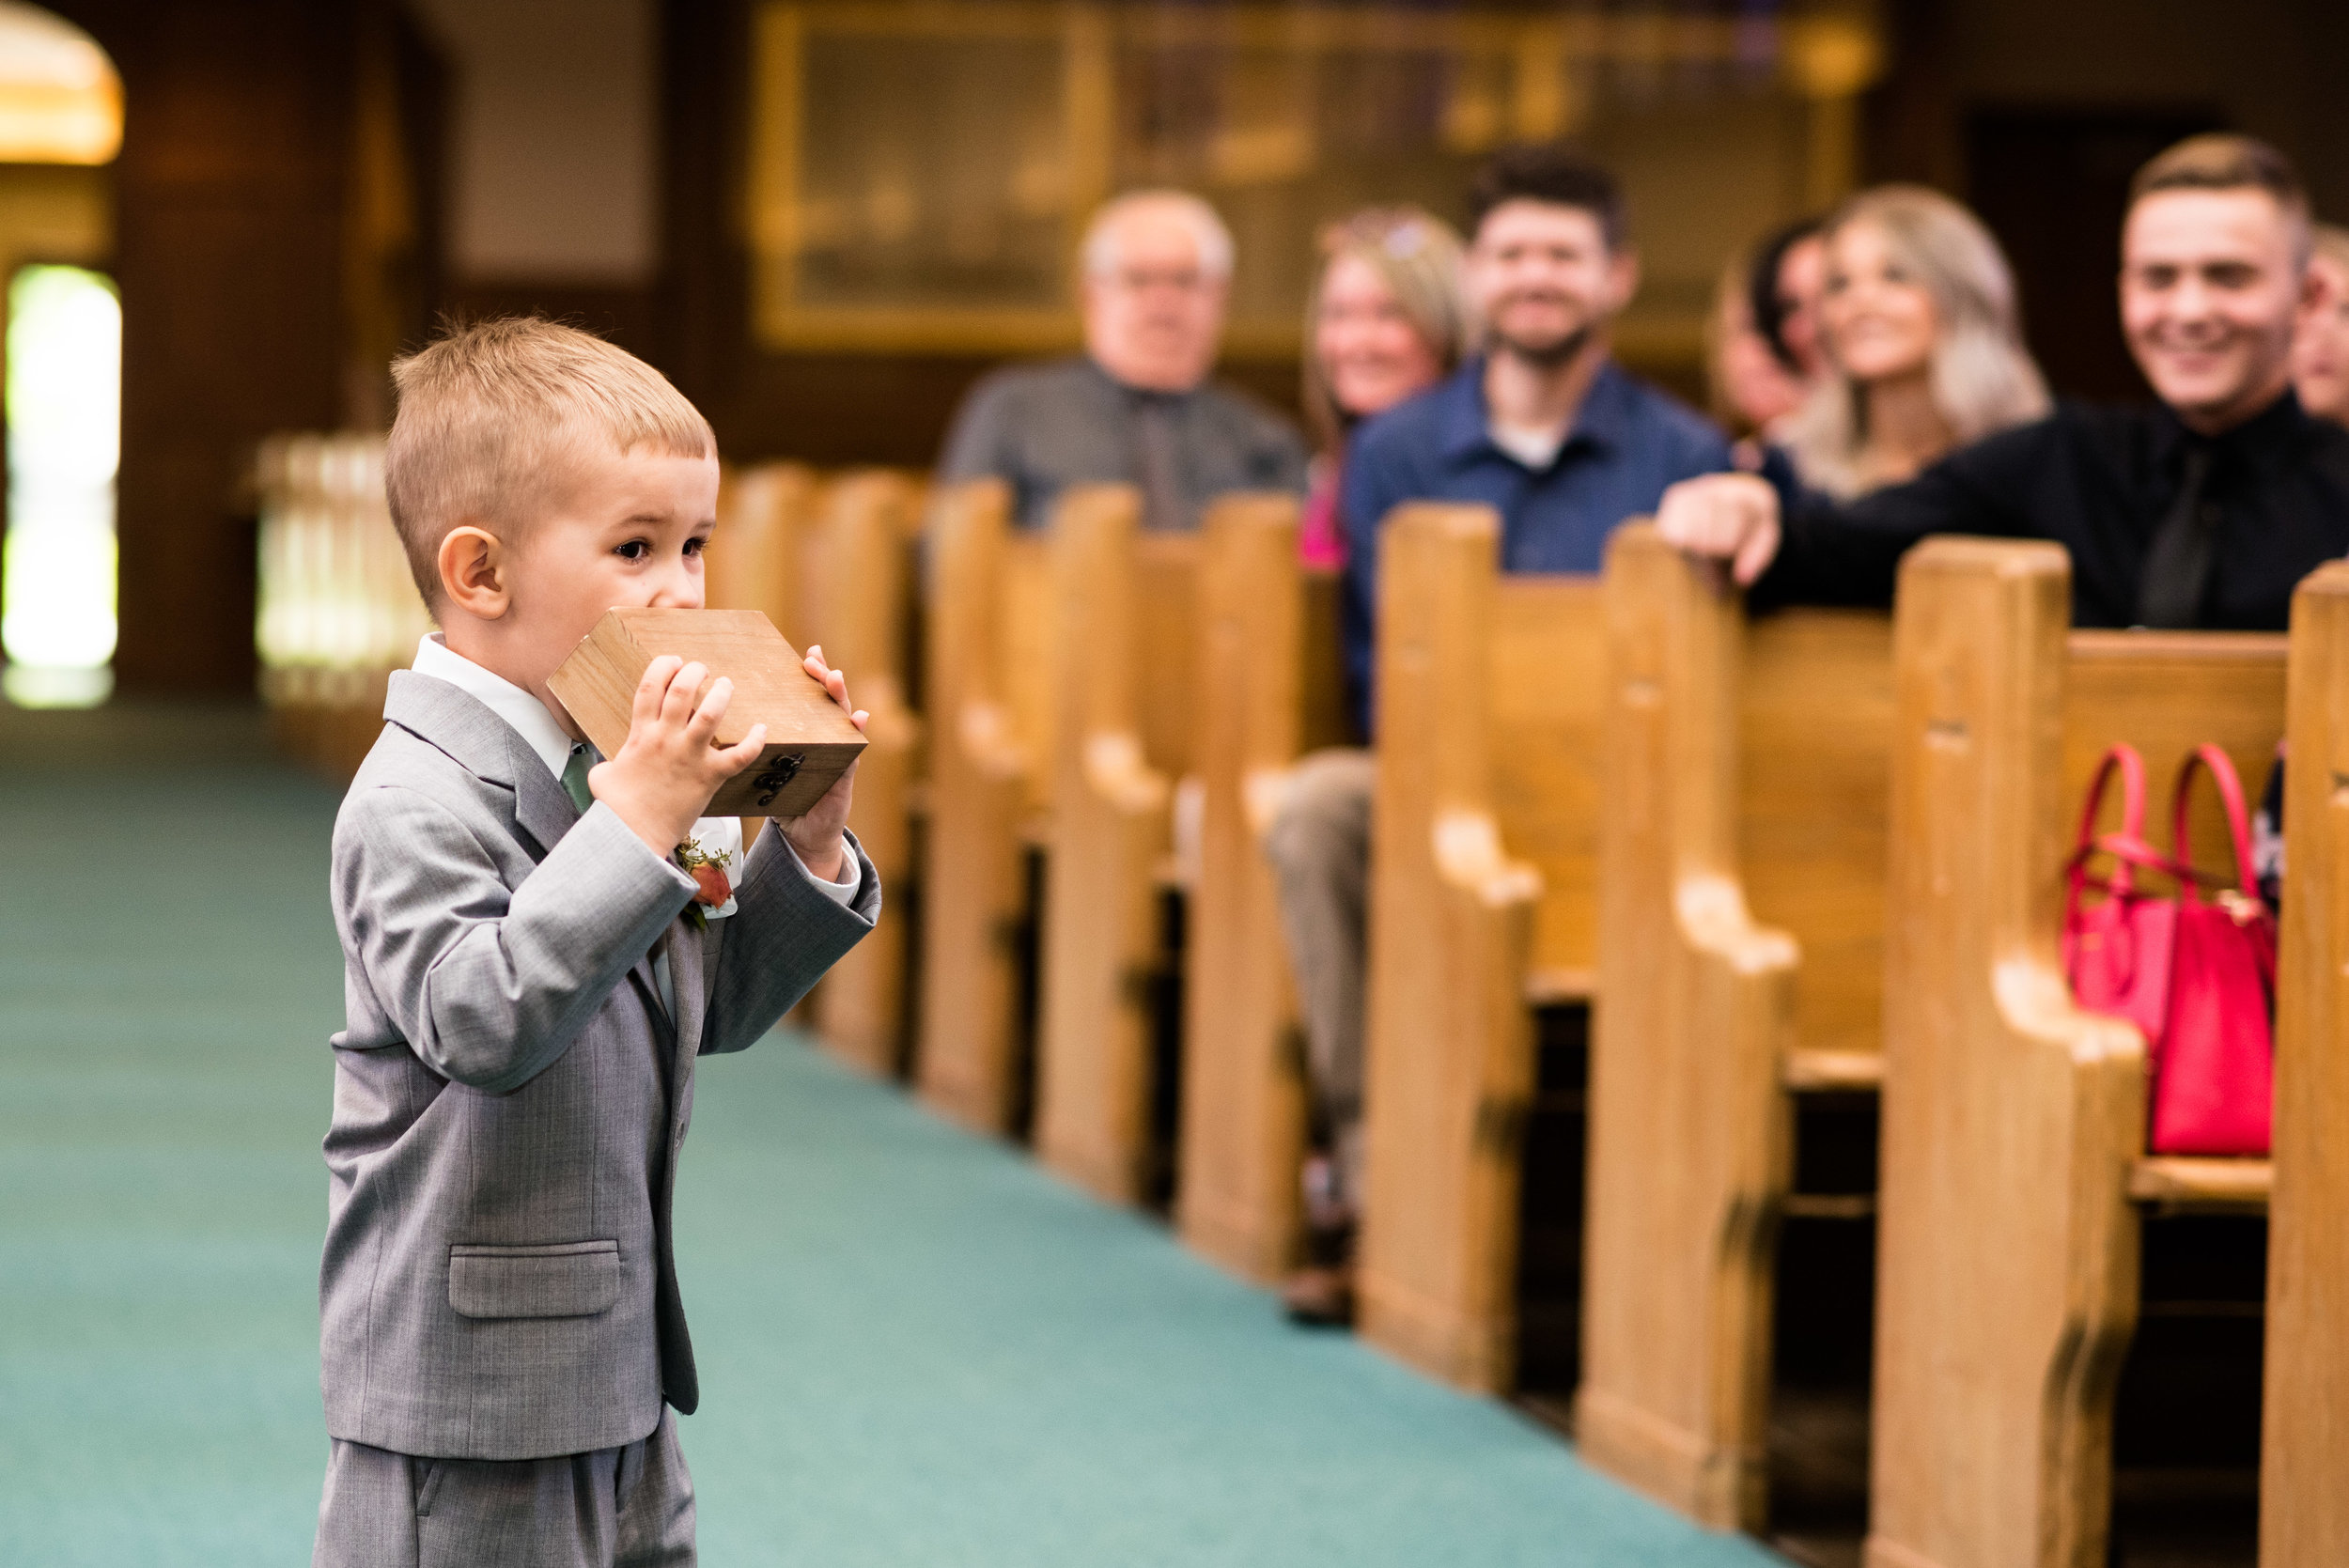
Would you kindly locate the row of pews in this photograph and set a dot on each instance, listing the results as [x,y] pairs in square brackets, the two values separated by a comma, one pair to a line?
[1790,887]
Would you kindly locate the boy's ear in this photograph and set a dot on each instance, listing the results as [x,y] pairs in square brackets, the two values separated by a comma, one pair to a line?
[473,572]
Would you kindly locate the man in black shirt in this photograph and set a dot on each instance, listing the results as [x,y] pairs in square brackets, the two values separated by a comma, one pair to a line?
[2203,511]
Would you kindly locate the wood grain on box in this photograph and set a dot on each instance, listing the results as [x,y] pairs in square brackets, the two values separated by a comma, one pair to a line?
[810,741]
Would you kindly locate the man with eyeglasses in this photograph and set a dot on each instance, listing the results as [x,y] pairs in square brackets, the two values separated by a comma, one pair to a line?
[1138,406]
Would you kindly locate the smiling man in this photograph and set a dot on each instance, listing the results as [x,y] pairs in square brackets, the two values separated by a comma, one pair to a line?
[2203,510]
[1545,427]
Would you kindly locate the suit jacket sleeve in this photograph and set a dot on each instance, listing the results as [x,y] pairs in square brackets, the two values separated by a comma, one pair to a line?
[1850,552]
[491,986]
[784,935]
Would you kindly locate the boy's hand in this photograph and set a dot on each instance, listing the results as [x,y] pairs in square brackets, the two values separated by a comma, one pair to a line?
[815,833]
[668,768]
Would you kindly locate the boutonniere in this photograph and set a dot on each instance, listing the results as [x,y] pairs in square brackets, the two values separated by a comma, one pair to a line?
[707,867]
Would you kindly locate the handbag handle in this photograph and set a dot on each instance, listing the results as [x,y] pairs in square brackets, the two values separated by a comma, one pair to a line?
[2127,845]
[2210,759]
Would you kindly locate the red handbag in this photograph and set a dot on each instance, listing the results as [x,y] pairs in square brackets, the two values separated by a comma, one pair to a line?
[2197,976]
[2117,951]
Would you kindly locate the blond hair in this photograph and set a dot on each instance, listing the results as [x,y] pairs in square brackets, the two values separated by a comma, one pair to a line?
[1418,257]
[491,415]
[1981,376]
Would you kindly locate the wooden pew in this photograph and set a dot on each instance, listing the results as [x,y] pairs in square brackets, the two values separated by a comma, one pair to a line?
[1270,688]
[2303,1508]
[758,556]
[2014,1123]
[860,580]
[1483,866]
[985,653]
[1741,909]
[1124,660]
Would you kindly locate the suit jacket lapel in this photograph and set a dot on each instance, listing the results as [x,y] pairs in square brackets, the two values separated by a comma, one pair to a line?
[542,807]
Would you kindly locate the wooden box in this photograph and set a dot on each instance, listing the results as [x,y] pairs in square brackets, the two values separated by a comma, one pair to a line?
[810,741]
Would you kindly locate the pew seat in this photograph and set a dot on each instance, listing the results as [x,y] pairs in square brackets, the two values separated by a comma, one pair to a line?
[2180,1184]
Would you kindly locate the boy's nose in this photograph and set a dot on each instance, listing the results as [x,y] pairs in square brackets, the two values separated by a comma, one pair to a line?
[678,589]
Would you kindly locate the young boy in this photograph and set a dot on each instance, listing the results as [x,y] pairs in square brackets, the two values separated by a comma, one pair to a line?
[501,1329]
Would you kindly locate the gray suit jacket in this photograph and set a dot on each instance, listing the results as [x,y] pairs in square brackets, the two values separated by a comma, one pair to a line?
[510,1094]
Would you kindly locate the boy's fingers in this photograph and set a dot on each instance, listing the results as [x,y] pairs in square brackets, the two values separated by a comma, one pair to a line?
[743,753]
[677,706]
[703,724]
[858,718]
[651,688]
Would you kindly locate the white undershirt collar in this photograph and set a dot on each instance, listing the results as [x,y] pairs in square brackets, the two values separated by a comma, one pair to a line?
[525,713]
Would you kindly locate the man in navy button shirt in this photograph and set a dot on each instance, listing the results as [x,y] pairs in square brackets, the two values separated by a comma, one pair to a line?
[1547,430]
[1544,426]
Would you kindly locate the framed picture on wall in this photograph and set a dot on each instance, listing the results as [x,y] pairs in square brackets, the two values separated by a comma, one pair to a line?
[921,173]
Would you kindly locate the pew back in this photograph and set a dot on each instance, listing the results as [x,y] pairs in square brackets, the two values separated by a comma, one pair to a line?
[1815,720]
[1545,644]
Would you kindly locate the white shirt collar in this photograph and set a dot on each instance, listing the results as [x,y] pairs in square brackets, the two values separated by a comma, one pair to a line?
[525,713]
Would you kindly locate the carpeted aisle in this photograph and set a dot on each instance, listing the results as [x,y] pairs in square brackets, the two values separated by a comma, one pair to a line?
[916,1349]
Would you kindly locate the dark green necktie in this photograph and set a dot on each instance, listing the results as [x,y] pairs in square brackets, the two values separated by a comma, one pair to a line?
[2177,575]
[575,778]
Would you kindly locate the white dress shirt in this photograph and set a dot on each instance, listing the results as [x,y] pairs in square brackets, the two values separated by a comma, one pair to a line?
[528,717]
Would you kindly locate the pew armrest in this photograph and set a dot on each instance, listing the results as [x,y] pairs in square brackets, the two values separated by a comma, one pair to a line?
[2181,1183]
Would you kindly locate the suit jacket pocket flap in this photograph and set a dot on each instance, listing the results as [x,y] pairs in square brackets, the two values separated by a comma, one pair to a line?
[568,1279]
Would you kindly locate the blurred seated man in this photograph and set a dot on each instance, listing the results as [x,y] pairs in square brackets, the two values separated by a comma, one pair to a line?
[1138,406]
[1549,431]
[2201,511]
[2320,348]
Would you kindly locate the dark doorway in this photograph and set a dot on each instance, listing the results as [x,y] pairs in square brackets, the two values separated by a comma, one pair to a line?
[2053,185]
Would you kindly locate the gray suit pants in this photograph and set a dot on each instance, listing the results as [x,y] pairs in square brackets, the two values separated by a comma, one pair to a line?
[627,1507]
[1319,845]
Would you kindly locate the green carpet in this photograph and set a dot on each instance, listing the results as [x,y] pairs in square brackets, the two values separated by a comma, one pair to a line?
[916,1349]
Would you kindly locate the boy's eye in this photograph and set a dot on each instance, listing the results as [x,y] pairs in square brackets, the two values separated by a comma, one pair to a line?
[694,546]
[635,550]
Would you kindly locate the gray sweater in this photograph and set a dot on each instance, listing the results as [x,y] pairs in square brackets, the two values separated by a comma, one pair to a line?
[1045,427]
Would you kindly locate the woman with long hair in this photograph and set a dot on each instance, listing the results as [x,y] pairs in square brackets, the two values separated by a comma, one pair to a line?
[1923,346]
[1385,321]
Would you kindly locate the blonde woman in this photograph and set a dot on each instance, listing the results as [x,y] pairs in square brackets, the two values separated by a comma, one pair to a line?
[1385,322]
[1925,352]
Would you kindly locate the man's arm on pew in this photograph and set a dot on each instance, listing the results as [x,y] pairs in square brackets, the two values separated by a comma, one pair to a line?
[1810,549]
